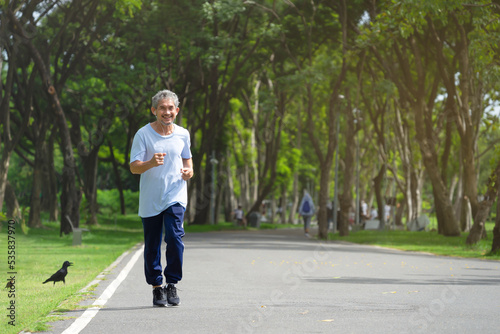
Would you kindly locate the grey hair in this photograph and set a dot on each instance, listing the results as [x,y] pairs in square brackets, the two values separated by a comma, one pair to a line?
[163,95]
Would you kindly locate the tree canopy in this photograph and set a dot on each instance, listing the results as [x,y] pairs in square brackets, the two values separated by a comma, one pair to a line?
[406,93]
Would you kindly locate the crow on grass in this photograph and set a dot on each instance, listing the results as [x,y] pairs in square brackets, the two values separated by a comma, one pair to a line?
[60,275]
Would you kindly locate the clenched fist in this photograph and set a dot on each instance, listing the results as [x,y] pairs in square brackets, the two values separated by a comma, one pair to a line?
[157,159]
[187,173]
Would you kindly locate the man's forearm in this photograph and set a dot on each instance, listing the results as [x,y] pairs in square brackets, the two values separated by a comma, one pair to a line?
[187,170]
[139,167]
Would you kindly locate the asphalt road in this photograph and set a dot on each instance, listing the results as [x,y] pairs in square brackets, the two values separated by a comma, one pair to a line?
[280,282]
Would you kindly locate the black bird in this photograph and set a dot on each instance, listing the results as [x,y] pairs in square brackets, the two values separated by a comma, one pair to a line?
[10,284]
[60,274]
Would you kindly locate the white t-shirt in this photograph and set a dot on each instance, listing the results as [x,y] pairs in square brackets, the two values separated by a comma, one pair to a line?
[238,214]
[364,209]
[161,186]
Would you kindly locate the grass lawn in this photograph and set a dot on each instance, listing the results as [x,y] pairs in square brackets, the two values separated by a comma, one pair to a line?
[429,242]
[41,252]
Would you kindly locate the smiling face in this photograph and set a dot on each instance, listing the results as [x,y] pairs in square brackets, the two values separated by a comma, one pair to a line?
[165,112]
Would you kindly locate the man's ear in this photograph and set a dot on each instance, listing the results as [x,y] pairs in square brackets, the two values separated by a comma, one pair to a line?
[153,111]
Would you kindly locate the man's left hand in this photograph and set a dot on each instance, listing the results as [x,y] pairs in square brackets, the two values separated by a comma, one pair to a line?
[187,173]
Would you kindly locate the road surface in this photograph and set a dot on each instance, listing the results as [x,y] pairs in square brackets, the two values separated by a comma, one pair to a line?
[278,281]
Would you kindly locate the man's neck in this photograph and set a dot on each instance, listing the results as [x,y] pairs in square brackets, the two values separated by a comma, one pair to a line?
[163,129]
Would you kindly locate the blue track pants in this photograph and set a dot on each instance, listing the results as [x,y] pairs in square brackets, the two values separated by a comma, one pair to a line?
[170,220]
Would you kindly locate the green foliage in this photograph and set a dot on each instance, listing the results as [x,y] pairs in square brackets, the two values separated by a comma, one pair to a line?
[222,11]
[20,176]
[214,53]
[126,8]
[109,201]
[287,164]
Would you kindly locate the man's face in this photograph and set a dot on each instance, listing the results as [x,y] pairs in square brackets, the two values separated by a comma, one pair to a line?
[165,111]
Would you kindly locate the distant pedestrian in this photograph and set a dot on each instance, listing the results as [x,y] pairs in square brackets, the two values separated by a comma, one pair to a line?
[161,154]
[306,210]
[387,212]
[239,216]
[364,211]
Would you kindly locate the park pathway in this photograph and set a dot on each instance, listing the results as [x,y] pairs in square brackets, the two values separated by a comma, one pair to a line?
[278,281]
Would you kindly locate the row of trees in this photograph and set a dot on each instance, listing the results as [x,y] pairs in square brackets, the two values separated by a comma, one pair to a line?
[265,86]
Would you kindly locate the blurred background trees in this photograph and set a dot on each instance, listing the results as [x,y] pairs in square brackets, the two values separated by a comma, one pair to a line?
[406,93]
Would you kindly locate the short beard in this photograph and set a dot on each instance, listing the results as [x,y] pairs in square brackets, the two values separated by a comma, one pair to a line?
[165,124]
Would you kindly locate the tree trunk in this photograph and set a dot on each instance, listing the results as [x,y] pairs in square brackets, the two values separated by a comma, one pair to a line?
[90,187]
[416,191]
[295,194]
[11,202]
[292,215]
[230,200]
[495,245]
[325,158]
[265,191]
[470,172]
[70,199]
[444,209]
[324,197]
[457,206]
[4,170]
[377,187]
[465,215]
[118,179]
[411,180]
[272,207]
[52,180]
[244,178]
[400,209]
[36,191]
[283,204]
[5,135]
[272,138]
[204,193]
[477,230]
[349,168]
[467,95]
[465,101]
[218,196]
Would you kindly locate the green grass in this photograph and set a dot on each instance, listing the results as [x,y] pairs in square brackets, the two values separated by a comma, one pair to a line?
[211,228]
[268,226]
[41,252]
[425,241]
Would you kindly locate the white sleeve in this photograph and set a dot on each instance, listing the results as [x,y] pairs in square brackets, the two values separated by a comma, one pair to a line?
[186,151]
[138,150]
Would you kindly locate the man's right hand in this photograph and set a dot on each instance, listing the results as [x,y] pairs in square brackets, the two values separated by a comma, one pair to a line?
[158,159]
[139,167]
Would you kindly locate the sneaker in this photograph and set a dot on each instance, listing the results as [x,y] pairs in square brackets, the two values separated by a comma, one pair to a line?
[159,297]
[172,297]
